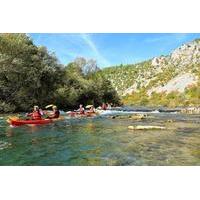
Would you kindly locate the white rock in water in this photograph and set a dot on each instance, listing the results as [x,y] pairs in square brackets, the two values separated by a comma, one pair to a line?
[139,127]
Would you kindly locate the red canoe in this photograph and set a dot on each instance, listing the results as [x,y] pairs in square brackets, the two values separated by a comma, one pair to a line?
[19,122]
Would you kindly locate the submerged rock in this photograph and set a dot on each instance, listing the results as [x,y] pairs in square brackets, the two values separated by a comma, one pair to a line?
[170,120]
[135,116]
[138,116]
[139,127]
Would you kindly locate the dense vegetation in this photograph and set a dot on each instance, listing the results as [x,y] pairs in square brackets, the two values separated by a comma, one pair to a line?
[30,75]
[124,76]
[190,97]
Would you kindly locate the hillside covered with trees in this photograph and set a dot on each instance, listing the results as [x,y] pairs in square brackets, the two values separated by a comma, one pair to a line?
[172,80]
[30,75]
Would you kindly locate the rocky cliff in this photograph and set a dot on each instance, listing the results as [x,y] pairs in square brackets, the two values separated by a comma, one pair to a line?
[176,72]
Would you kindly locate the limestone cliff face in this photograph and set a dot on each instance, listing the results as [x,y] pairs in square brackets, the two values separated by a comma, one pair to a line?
[174,72]
[183,61]
[186,55]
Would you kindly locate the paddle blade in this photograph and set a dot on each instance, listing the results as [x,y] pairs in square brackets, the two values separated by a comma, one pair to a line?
[88,106]
[49,106]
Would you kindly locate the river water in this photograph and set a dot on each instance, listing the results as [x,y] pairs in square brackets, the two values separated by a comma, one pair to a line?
[103,140]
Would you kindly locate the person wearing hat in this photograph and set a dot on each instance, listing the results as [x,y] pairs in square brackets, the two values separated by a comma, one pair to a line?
[35,115]
[55,113]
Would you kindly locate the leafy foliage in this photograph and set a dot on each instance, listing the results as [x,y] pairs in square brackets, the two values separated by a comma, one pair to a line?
[124,76]
[90,88]
[30,75]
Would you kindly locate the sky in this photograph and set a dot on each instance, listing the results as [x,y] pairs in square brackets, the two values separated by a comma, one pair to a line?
[110,49]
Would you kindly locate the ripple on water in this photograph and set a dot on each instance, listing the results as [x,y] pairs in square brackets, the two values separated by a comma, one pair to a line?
[4,145]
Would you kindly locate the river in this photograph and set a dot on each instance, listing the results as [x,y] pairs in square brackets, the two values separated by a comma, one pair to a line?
[103,140]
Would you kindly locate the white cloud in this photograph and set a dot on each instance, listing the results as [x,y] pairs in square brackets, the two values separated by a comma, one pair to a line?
[87,39]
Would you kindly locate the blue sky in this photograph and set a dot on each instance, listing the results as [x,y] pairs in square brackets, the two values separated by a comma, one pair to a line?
[111,48]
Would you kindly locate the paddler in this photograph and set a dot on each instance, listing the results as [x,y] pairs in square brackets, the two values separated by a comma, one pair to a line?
[55,114]
[41,112]
[35,115]
[91,110]
[109,106]
[81,109]
[104,106]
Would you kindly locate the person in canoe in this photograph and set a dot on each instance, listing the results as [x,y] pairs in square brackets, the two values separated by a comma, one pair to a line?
[109,106]
[55,114]
[104,106]
[81,109]
[36,114]
[91,110]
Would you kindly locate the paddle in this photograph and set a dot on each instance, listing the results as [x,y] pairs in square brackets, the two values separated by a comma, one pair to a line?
[49,106]
[88,106]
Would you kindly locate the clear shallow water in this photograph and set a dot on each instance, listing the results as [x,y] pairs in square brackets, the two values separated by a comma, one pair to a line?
[103,141]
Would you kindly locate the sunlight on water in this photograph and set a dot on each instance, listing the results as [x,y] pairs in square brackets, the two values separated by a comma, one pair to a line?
[103,141]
